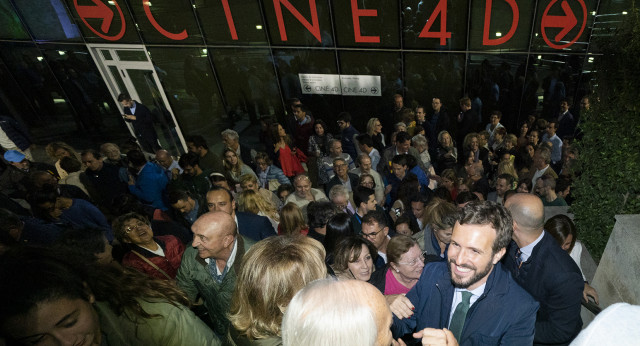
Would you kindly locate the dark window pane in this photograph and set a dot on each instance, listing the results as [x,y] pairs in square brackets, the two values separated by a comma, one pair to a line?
[244,26]
[383,64]
[13,101]
[558,38]
[106,54]
[302,26]
[96,112]
[48,20]
[10,25]
[495,82]
[415,17]
[291,63]
[249,86]
[166,21]
[189,85]
[499,34]
[131,55]
[375,29]
[100,30]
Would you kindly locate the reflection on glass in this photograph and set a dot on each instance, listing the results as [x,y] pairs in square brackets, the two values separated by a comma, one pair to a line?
[14,103]
[496,82]
[149,94]
[91,18]
[106,54]
[48,20]
[304,25]
[115,73]
[166,21]
[433,75]
[10,25]
[188,82]
[563,35]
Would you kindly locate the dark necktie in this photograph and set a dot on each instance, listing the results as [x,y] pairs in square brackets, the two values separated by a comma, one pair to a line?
[519,258]
[460,314]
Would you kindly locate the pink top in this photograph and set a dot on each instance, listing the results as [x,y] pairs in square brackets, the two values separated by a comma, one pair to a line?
[392,285]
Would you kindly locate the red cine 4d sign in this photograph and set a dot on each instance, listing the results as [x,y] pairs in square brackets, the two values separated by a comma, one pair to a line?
[565,22]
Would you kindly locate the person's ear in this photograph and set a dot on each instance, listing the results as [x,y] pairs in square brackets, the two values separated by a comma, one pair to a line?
[386,231]
[498,255]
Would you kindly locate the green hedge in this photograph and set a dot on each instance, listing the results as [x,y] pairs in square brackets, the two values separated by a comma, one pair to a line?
[610,149]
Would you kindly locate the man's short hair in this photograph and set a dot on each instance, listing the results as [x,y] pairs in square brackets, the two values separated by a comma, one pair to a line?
[189,160]
[554,122]
[361,157]
[562,184]
[365,139]
[124,97]
[465,101]
[176,195]
[198,141]
[339,159]
[493,214]
[545,153]
[332,142]
[344,116]
[361,195]
[400,160]
[402,137]
[231,134]
[568,100]
[70,164]
[319,213]
[375,216]
[337,191]
[330,312]
[263,156]
[301,176]
[136,158]
[500,131]
[466,196]
[549,181]
[96,154]
[508,177]
[496,112]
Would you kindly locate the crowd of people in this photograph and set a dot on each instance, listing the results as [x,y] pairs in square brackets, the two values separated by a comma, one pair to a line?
[429,225]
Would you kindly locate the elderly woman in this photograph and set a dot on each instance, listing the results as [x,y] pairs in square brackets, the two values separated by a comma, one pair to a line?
[354,258]
[158,257]
[405,262]
[53,300]
[270,177]
[272,272]
[447,153]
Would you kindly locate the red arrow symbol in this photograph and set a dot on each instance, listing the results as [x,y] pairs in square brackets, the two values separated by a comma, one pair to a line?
[567,22]
[99,11]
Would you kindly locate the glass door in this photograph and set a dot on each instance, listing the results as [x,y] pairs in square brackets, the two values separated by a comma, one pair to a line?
[127,68]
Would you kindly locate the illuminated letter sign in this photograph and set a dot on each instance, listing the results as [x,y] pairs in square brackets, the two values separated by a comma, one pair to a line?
[313,27]
[147,10]
[443,35]
[487,23]
[357,13]
[102,11]
[566,22]
[230,23]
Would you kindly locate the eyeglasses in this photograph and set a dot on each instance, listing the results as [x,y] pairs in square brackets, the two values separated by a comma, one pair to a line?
[134,227]
[415,260]
[371,235]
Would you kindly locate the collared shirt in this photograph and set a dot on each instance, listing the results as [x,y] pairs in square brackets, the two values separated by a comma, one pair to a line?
[346,184]
[457,297]
[230,261]
[537,175]
[525,252]
[192,216]
[306,119]
[133,108]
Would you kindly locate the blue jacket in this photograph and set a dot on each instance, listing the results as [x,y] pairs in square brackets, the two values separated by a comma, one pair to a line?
[555,281]
[348,145]
[505,314]
[274,172]
[150,186]
[254,226]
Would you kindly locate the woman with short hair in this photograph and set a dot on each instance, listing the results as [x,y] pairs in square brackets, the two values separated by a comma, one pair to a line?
[354,258]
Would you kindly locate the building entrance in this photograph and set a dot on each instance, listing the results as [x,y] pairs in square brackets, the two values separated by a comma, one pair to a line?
[127,68]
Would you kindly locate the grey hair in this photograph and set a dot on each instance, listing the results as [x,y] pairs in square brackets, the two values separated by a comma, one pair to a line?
[338,190]
[419,140]
[231,134]
[312,317]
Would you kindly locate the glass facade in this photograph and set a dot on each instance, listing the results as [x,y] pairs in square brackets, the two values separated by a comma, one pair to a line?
[204,66]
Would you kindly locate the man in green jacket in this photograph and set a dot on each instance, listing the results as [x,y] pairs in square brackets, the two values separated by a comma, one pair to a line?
[209,268]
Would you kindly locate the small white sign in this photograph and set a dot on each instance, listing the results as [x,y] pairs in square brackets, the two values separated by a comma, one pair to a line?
[328,84]
[333,84]
[360,85]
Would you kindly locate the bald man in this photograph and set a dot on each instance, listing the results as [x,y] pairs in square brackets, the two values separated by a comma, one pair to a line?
[168,164]
[547,272]
[312,318]
[210,265]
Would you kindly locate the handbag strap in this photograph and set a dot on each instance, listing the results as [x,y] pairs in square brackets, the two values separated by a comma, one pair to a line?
[152,264]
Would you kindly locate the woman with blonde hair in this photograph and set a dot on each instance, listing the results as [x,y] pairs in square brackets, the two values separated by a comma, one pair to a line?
[292,221]
[58,150]
[272,272]
[253,202]
[234,167]
[374,129]
[507,167]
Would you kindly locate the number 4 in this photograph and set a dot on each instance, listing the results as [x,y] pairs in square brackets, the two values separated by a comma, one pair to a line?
[443,34]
